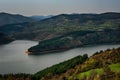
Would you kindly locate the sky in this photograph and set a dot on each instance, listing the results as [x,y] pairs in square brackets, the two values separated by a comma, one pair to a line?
[54,7]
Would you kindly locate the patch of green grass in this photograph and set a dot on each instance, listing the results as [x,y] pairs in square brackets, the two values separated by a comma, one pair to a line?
[88,73]
[99,71]
[115,67]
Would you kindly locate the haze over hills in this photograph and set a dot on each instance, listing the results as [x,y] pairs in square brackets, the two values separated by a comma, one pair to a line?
[41,17]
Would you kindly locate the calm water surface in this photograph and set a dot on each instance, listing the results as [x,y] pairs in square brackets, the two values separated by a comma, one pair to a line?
[14,60]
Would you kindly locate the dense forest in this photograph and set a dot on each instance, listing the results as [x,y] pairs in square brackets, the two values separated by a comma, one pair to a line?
[4,39]
[102,65]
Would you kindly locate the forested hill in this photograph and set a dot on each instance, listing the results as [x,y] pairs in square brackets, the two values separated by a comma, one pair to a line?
[6,18]
[64,23]
[75,39]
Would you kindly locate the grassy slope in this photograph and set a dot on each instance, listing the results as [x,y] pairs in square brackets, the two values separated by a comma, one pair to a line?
[95,62]
[113,67]
[88,73]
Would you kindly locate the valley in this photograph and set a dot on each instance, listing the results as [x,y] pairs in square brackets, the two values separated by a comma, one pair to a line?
[61,47]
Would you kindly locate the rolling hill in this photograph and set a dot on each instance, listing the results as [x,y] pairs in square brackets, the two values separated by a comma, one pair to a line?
[75,39]
[6,18]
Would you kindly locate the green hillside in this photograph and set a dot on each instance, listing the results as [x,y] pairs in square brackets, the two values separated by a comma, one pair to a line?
[62,24]
[75,39]
[64,31]
[104,65]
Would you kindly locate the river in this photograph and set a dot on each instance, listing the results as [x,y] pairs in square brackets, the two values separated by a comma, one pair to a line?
[13,58]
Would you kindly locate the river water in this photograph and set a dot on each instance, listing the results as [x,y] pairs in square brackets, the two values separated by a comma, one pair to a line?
[13,58]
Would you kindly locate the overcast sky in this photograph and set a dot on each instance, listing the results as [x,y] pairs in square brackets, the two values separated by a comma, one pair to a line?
[52,7]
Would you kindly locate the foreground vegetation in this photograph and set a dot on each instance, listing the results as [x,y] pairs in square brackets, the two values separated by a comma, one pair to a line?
[61,67]
[103,65]
[115,68]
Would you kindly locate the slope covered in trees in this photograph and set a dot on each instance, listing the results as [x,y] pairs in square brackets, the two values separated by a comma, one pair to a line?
[103,65]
